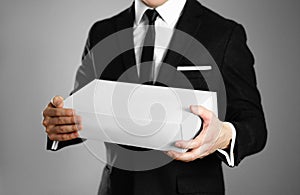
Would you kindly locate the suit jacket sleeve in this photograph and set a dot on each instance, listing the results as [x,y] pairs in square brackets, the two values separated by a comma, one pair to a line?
[244,109]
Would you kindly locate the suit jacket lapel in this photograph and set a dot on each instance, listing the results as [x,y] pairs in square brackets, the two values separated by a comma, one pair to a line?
[189,22]
[124,23]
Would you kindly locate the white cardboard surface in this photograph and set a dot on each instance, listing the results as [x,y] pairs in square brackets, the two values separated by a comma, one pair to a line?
[139,115]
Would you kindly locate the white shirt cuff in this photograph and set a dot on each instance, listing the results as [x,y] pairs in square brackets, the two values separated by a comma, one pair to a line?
[54,145]
[230,157]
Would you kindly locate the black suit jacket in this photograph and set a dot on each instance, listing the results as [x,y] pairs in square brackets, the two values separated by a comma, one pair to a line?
[225,40]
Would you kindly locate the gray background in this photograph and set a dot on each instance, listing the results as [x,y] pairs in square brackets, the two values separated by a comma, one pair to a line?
[40,47]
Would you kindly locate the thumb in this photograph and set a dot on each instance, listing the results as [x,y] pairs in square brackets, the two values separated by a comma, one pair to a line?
[57,101]
[199,110]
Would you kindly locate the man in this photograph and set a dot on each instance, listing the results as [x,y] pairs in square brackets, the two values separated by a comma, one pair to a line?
[196,171]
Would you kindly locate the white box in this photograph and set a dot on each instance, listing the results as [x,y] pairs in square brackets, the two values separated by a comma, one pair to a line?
[139,115]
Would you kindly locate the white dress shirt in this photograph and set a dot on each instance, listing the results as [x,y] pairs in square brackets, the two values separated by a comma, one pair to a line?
[169,13]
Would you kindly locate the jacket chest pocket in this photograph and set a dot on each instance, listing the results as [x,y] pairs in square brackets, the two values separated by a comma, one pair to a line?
[191,79]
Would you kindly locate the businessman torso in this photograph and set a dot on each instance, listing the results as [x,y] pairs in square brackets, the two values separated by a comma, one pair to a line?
[225,42]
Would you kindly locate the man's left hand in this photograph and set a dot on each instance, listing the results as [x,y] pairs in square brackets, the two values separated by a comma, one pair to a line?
[214,135]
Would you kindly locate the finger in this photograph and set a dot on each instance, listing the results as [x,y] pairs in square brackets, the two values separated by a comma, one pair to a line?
[191,144]
[57,101]
[56,112]
[45,121]
[64,129]
[186,157]
[63,137]
[201,111]
[63,120]
[50,105]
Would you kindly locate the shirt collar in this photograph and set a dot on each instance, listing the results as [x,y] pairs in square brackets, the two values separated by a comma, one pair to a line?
[169,11]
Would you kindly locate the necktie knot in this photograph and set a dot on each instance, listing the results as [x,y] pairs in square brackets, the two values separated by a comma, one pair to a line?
[151,15]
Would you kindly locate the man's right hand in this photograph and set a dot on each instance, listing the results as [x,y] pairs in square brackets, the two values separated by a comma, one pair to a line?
[61,124]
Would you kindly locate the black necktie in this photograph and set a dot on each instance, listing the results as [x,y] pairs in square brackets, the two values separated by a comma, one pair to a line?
[146,67]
